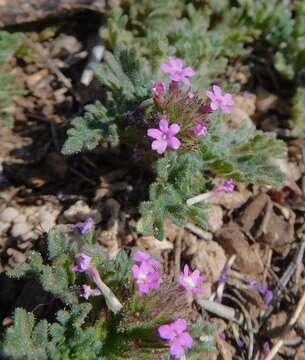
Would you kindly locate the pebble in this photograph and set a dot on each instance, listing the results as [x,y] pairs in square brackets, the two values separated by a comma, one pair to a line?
[9,214]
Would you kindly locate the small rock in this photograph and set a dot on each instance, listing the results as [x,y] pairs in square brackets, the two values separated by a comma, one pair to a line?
[20,229]
[17,256]
[215,219]
[4,226]
[209,259]
[20,219]
[80,211]
[265,100]
[9,214]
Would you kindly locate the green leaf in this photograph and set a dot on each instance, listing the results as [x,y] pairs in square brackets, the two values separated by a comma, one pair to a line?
[91,129]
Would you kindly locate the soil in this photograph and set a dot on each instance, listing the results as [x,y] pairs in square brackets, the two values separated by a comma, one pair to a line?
[259,230]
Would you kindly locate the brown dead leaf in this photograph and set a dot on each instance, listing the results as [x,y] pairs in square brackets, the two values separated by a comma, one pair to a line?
[232,200]
[209,259]
[234,242]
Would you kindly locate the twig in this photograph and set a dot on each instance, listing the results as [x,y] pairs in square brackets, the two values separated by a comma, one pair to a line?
[199,198]
[50,64]
[297,259]
[97,54]
[248,322]
[221,286]
[83,177]
[178,255]
[205,235]
[222,311]
[291,323]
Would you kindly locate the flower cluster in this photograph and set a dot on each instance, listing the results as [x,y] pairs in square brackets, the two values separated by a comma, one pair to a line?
[165,137]
[178,337]
[191,281]
[147,276]
[145,272]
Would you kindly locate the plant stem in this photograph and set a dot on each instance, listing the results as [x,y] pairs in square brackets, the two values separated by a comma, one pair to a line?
[112,301]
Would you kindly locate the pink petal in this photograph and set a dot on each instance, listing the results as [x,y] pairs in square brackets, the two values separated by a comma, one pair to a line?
[214,105]
[186,340]
[225,109]
[165,332]
[185,80]
[176,349]
[179,325]
[174,129]
[217,90]
[228,99]
[165,68]
[210,95]
[143,288]
[174,143]
[154,133]
[159,146]
[135,271]
[163,124]
[186,270]
[175,77]
[188,71]
[176,64]
[195,275]
[141,255]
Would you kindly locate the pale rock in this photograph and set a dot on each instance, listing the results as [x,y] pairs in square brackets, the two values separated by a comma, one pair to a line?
[4,226]
[209,259]
[9,214]
[20,229]
[19,219]
[80,211]
[215,218]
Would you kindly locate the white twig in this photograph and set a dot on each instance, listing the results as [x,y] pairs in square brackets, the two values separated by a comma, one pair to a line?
[205,235]
[96,56]
[223,311]
[199,198]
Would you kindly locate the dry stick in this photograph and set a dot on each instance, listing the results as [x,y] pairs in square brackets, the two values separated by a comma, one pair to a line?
[297,259]
[292,321]
[178,255]
[205,235]
[222,311]
[199,198]
[248,322]
[221,286]
[50,64]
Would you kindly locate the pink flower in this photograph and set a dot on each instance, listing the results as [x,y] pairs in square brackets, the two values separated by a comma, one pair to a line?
[190,94]
[178,337]
[228,186]
[146,277]
[84,263]
[191,281]
[176,71]
[141,256]
[200,130]
[158,88]
[88,291]
[219,101]
[165,137]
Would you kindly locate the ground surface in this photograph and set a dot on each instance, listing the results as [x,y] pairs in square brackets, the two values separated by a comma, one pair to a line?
[260,231]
